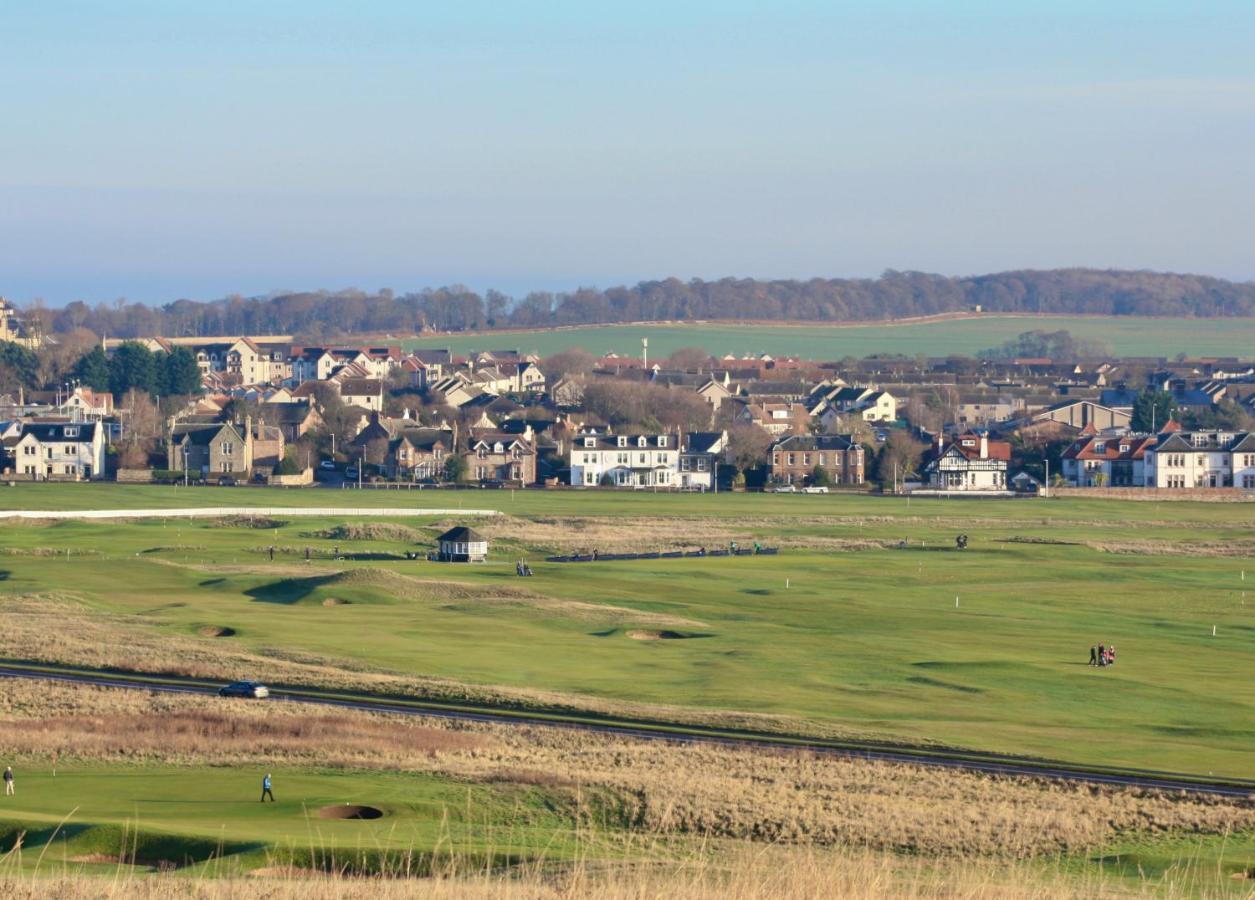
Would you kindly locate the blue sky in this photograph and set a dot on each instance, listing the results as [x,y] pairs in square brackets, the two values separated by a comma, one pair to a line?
[168,149]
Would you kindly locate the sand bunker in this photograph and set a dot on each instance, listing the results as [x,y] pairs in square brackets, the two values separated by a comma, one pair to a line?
[336,601]
[638,634]
[215,631]
[350,811]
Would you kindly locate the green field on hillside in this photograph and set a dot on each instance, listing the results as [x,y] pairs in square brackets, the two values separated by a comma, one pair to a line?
[1127,335]
[842,630]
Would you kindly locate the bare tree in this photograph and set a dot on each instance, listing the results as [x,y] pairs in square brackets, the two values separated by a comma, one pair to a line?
[747,446]
[687,358]
[576,361]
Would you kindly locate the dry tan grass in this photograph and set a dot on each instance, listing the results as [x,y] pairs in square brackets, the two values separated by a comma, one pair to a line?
[372,531]
[697,791]
[776,873]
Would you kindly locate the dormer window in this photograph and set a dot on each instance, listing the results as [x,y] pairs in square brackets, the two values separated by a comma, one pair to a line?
[968,442]
[71,431]
[662,440]
[1124,448]
[642,442]
[590,442]
[622,441]
[1099,446]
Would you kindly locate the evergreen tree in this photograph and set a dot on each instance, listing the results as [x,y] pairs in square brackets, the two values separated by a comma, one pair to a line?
[132,366]
[92,369]
[181,373]
[21,360]
[1152,410]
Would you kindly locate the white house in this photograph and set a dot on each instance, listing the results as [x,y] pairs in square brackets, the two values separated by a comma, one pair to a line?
[635,460]
[60,450]
[971,462]
[1202,459]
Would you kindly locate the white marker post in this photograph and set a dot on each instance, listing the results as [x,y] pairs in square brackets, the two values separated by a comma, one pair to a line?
[956,602]
[786,584]
[1213,631]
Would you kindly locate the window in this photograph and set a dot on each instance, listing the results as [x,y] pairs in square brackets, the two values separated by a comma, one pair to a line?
[641,442]
[227,449]
[644,457]
[662,440]
[71,431]
[701,463]
[622,441]
[1124,448]
[69,449]
[684,463]
[1099,447]
[590,442]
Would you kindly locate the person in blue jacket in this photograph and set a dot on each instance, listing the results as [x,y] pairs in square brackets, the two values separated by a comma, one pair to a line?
[265,789]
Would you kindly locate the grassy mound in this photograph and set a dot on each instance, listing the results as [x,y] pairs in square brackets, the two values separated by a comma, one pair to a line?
[371,531]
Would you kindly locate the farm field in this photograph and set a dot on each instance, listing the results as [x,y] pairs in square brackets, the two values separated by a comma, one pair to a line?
[843,634]
[1127,335]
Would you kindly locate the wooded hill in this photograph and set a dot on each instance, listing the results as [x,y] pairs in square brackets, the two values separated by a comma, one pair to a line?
[894,295]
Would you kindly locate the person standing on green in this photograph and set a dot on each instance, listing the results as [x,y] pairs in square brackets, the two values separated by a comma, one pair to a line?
[265,789]
[8,781]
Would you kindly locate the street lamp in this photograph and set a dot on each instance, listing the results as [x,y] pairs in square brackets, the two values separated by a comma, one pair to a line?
[185,448]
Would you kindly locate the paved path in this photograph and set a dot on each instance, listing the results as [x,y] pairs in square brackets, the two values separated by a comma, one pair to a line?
[214,512]
[676,734]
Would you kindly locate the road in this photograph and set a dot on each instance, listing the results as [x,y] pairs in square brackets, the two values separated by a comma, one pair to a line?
[675,734]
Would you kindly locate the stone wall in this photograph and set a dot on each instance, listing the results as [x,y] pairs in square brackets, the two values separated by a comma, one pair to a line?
[1209,495]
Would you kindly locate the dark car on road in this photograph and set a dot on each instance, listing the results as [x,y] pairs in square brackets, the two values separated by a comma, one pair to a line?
[250,689]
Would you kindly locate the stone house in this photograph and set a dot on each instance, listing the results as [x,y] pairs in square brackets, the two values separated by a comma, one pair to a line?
[211,449]
[793,459]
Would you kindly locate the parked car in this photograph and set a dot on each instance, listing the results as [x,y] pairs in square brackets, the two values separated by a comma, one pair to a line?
[351,473]
[328,465]
[784,489]
[250,689]
[815,489]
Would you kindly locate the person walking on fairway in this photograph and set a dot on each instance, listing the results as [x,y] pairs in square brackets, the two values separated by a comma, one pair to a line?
[8,781]
[265,789]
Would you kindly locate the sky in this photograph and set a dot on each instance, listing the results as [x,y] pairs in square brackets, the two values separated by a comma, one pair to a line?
[187,149]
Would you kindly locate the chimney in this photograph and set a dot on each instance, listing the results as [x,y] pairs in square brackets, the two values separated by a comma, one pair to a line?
[984,446]
[941,441]
[405,414]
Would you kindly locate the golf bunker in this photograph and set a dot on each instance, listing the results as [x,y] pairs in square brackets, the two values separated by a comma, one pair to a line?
[216,631]
[350,811]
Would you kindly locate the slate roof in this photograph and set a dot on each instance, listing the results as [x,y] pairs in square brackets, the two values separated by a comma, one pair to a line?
[810,442]
[55,432]
[463,533]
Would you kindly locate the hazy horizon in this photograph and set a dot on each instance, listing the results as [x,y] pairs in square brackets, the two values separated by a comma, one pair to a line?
[157,153]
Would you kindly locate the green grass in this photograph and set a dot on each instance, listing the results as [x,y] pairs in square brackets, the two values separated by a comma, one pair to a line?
[188,815]
[867,642]
[1127,335]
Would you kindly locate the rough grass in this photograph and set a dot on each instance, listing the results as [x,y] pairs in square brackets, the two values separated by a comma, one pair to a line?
[699,791]
[371,531]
